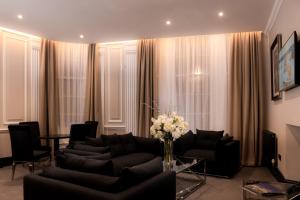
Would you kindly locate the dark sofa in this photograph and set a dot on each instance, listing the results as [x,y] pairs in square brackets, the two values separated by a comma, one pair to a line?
[108,167]
[222,153]
[134,184]
[121,150]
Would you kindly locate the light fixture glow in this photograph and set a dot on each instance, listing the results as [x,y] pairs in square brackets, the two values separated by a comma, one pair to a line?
[168,22]
[221,14]
[20,16]
[81,36]
[198,72]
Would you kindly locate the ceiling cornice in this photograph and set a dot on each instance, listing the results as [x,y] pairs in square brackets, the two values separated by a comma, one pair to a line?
[273,16]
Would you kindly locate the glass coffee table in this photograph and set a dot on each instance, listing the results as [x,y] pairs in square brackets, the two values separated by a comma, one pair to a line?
[264,190]
[191,180]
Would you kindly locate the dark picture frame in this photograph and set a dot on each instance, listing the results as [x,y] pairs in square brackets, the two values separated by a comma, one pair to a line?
[288,64]
[274,52]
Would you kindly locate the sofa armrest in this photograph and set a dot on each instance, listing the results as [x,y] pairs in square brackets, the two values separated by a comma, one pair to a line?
[37,187]
[149,145]
[161,186]
[228,156]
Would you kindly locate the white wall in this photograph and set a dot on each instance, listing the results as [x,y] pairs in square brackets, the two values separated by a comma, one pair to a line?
[19,60]
[282,113]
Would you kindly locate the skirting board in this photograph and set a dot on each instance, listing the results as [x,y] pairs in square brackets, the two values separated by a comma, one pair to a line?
[279,177]
[5,161]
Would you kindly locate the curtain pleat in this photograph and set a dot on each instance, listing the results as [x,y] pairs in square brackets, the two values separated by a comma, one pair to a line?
[193,79]
[247,94]
[63,70]
[93,93]
[48,88]
[147,85]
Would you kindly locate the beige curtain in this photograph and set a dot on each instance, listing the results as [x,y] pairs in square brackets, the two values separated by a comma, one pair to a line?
[93,92]
[147,83]
[247,94]
[48,88]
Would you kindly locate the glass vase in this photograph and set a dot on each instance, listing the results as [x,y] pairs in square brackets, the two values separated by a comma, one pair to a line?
[168,152]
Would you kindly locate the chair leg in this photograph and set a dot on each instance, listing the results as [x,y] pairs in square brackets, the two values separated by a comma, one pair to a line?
[13,167]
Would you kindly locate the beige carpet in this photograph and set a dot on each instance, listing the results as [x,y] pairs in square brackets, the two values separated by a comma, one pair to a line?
[215,188]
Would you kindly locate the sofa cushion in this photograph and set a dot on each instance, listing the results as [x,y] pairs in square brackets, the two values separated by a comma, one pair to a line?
[79,152]
[79,163]
[111,139]
[97,142]
[94,181]
[210,155]
[139,173]
[120,144]
[103,156]
[149,145]
[129,160]
[208,139]
[89,148]
[184,143]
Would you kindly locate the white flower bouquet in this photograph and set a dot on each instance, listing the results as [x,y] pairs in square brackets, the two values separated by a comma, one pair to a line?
[168,127]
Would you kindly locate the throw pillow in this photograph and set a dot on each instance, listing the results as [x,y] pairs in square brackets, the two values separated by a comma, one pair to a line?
[184,143]
[89,148]
[82,164]
[133,175]
[208,139]
[93,181]
[110,139]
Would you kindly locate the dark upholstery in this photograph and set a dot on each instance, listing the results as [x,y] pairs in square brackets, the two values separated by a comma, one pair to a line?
[93,129]
[161,186]
[120,144]
[22,146]
[139,173]
[149,145]
[78,163]
[79,132]
[210,155]
[129,160]
[208,139]
[89,148]
[97,142]
[184,143]
[35,135]
[94,181]
[222,153]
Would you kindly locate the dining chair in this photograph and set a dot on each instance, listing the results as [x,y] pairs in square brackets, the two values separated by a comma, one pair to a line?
[94,126]
[78,132]
[23,149]
[35,135]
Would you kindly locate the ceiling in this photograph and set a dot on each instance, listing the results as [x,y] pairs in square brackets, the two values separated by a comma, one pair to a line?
[117,20]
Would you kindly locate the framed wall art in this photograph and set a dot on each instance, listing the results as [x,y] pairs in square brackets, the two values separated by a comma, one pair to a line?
[288,64]
[274,52]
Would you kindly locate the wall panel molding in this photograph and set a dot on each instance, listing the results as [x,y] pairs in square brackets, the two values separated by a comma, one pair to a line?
[118,82]
[14,67]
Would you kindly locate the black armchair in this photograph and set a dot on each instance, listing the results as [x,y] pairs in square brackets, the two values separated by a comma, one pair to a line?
[22,147]
[222,153]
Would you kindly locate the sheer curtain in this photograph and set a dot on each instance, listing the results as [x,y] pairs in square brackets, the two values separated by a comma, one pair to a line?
[193,79]
[72,80]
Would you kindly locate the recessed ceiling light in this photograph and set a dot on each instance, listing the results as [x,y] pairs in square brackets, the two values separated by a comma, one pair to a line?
[221,14]
[168,22]
[81,36]
[20,16]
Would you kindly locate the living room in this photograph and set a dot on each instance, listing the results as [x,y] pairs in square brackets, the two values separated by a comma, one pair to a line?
[148,99]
